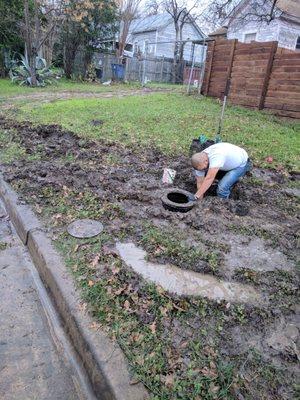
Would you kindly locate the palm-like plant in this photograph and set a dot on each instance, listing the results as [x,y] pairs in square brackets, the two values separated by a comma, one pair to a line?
[20,72]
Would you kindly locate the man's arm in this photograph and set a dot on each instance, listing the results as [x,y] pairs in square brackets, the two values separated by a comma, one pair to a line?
[200,180]
[207,182]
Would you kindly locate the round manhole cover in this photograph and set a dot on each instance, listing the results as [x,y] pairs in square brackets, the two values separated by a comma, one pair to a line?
[85,228]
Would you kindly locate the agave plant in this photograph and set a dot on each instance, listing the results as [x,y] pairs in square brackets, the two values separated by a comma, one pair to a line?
[21,72]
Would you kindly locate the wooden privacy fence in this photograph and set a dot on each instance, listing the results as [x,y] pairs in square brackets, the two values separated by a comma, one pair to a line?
[262,75]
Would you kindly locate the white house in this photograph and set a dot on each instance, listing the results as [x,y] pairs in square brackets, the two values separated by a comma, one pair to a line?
[284,28]
[156,33]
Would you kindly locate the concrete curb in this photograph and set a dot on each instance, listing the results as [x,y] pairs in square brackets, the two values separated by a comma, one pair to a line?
[22,217]
[102,359]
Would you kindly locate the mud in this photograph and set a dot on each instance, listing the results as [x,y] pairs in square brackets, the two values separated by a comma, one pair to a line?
[259,226]
[185,283]
[254,236]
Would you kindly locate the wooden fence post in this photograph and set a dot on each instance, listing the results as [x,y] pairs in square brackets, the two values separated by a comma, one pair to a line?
[267,75]
[209,68]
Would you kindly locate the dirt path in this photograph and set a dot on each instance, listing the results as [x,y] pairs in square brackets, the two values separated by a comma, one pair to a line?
[47,97]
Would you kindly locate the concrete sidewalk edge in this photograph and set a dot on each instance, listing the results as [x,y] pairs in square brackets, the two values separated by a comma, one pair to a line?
[102,359]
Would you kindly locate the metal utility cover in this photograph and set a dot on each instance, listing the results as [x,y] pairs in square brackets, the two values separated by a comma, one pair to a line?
[85,228]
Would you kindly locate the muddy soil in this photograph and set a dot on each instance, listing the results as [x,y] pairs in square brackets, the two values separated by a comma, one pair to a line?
[254,236]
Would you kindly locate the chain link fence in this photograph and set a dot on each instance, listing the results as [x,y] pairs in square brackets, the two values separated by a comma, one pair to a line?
[146,69]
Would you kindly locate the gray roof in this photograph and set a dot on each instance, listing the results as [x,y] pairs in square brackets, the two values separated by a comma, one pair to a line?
[219,32]
[150,23]
[155,22]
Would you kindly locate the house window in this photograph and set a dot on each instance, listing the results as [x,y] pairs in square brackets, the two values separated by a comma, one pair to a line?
[250,37]
[298,43]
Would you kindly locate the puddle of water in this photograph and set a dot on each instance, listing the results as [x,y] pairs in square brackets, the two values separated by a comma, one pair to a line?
[183,282]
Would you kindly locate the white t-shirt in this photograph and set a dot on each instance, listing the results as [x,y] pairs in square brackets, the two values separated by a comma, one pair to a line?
[225,156]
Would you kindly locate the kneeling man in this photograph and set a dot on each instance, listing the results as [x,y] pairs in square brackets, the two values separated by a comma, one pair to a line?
[224,157]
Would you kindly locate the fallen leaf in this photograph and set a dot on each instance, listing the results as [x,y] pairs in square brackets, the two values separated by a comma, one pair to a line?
[184,344]
[127,305]
[109,290]
[163,311]
[137,337]
[153,327]
[209,351]
[82,307]
[109,251]
[38,209]
[128,289]
[140,360]
[160,290]
[208,372]
[169,380]
[135,298]
[178,308]
[95,261]
[134,381]
[214,389]
[115,270]
[119,291]
[95,326]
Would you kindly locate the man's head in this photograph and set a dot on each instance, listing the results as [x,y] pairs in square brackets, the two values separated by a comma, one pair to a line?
[200,161]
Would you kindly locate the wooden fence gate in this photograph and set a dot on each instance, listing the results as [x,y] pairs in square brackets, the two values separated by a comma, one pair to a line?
[262,75]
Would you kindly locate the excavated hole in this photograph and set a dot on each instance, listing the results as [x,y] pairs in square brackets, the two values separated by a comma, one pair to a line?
[178,198]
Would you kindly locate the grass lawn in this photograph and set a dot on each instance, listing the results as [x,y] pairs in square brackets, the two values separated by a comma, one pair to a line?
[7,88]
[170,121]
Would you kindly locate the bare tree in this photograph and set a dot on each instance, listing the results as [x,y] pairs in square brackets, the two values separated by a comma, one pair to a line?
[37,28]
[181,15]
[128,11]
[226,12]
[152,8]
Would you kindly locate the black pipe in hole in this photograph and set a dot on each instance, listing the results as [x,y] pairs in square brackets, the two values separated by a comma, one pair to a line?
[178,198]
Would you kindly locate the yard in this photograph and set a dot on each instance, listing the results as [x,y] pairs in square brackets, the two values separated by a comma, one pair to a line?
[80,155]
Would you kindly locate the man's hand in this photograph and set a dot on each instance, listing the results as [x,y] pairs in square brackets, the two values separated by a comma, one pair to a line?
[192,197]
[207,182]
[198,197]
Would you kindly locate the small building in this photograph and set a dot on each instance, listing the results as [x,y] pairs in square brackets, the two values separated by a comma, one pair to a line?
[284,28]
[156,34]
